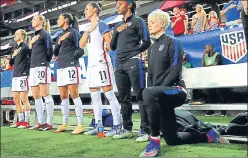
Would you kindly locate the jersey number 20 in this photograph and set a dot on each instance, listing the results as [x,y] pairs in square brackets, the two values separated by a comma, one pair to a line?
[41,74]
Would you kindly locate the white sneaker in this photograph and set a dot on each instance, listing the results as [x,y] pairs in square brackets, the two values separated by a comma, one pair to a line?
[124,134]
[114,131]
[143,137]
[208,115]
[91,132]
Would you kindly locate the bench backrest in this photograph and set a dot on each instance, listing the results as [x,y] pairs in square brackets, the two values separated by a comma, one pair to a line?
[234,75]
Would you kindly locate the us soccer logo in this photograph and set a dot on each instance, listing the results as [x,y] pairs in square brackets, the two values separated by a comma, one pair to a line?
[233,45]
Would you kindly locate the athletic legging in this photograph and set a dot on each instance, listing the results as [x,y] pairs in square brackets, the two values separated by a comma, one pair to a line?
[161,102]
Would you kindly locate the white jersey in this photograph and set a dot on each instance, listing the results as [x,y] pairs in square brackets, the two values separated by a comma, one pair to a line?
[96,45]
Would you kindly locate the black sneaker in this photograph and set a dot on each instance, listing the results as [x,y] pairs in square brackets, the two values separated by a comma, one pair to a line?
[223,114]
[210,113]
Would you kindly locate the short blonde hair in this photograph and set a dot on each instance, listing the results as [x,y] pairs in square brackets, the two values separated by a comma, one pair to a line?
[161,15]
[24,33]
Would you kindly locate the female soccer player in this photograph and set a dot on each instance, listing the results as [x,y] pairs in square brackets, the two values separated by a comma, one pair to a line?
[21,61]
[166,90]
[100,71]
[127,38]
[40,72]
[68,70]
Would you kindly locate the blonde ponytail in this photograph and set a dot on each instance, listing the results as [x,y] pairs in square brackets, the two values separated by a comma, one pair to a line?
[28,39]
[47,26]
[46,23]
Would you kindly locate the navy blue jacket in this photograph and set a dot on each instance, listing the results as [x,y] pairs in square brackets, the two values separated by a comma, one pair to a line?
[128,42]
[68,51]
[42,51]
[21,61]
[165,59]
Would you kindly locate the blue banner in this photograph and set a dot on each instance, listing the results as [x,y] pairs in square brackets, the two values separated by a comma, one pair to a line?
[228,41]
[6,79]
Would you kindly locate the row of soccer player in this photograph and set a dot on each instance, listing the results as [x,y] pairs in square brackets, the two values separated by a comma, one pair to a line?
[31,63]
[165,91]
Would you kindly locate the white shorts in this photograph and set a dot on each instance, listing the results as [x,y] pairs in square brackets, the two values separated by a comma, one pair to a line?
[69,75]
[20,84]
[39,75]
[100,75]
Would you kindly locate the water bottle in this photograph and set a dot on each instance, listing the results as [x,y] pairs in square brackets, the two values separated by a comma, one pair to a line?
[100,130]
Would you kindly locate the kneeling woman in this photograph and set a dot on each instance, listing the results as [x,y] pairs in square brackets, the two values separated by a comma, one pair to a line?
[166,89]
[21,59]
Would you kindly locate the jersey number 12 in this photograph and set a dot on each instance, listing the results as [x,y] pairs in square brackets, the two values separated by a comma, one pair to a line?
[72,74]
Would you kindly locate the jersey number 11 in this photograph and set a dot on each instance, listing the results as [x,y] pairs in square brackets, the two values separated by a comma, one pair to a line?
[103,73]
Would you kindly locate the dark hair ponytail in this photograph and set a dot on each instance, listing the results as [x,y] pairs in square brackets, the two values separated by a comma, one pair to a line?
[73,21]
[75,24]
[97,6]
[133,8]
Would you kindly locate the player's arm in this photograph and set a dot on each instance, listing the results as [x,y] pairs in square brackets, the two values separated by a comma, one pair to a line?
[27,51]
[144,34]
[149,75]
[12,59]
[79,51]
[175,67]
[48,43]
[83,41]
[105,32]
[107,38]
[57,47]
[113,43]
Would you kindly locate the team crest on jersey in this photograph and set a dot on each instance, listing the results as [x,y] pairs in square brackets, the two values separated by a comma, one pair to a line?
[233,45]
[129,24]
[161,47]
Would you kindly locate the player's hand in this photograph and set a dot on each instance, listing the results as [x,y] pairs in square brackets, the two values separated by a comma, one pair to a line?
[16,51]
[122,27]
[62,38]
[92,27]
[105,49]
[34,39]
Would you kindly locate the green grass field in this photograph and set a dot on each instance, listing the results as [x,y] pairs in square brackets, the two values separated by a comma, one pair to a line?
[21,142]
